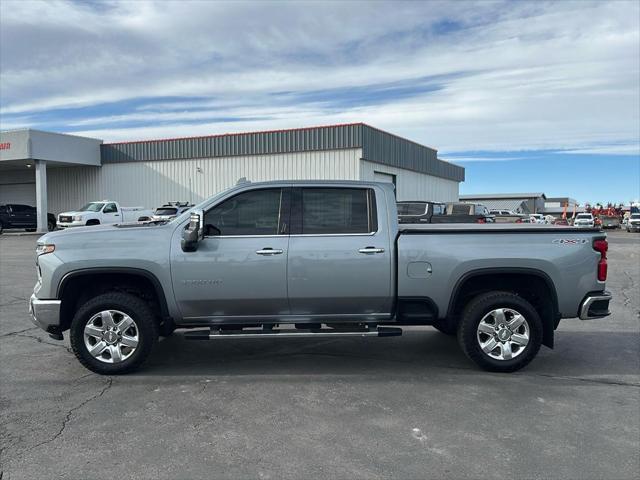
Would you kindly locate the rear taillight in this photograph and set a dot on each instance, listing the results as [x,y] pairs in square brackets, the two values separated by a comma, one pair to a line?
[481,220]
[601,246]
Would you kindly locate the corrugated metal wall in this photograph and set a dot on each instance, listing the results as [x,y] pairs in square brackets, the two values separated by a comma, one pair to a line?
[377,145]
[383,147]
[153,183]
[413,185]
[238,144]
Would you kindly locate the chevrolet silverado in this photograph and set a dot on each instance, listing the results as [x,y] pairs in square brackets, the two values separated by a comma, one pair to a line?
[314,259]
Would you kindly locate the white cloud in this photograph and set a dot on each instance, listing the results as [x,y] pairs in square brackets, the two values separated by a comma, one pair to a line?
[480,159]
[561,75]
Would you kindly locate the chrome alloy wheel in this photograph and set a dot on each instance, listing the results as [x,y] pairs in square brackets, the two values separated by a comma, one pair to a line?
[503,334]
[111,336]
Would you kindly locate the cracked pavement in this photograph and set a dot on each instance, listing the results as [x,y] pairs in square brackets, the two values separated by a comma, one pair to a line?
[405,407]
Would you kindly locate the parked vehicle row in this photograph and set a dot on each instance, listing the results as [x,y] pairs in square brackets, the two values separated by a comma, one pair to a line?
[434,212]
[314,259]
[20,216]
[103,212]
[14,215]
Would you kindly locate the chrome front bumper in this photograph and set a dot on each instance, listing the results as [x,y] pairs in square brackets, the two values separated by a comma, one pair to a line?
[45,314]
[595,305]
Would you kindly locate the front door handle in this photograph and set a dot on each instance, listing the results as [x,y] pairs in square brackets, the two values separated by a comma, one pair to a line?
[269,251]
[371,250]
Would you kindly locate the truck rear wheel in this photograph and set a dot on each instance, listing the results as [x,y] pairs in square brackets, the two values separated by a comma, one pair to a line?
[113,333]
[500,331]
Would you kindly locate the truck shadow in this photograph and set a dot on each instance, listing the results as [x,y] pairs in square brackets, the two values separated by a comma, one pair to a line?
[417,352]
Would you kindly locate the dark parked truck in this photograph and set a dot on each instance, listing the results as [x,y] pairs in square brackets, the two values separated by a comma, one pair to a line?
[15,215]
[314,259]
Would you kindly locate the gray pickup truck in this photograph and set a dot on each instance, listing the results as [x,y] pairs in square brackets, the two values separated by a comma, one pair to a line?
[312,259]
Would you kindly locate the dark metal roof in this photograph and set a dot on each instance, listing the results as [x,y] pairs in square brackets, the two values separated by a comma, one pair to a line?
[377,146]
[516,196]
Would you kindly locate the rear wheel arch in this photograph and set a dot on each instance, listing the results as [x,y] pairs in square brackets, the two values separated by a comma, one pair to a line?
[78,286]
[533,285]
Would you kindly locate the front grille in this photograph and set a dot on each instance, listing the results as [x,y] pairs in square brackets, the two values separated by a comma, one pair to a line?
[65,219]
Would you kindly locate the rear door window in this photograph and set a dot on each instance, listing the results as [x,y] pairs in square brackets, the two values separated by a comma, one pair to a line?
[460,209]
[338,211]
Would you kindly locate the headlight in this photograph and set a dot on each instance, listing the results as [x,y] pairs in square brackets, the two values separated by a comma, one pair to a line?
[77,218]
[44,248]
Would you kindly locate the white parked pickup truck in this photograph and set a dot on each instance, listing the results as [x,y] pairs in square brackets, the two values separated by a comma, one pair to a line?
[103,212]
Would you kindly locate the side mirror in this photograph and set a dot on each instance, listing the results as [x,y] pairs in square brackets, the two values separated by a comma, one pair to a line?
[194,232]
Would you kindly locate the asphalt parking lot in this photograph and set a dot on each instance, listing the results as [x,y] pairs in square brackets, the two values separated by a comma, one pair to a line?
[404,407]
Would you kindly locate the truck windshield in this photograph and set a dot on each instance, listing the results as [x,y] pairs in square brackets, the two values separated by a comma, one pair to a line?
[584,215]
[635,216]
[91,207]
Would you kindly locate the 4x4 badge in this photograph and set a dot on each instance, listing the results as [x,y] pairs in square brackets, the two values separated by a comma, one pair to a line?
[570,241]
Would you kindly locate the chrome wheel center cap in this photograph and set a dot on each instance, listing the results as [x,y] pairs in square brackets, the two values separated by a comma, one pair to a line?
[504,335]
[110,337]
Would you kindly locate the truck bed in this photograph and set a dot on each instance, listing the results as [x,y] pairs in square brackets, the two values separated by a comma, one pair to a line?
[433,258]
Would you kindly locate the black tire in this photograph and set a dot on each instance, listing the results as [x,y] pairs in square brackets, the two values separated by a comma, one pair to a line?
[92,222]
[51,226]
[133,306]
[474,312]
[446,328]
[30,229]
[1,228]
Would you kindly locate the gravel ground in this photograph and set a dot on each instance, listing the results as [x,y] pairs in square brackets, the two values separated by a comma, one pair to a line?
[405,407]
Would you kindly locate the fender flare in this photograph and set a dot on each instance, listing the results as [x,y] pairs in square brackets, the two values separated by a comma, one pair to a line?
[548,328]
[164,310]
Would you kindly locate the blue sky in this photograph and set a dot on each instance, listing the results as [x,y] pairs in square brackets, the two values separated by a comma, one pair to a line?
[528,96]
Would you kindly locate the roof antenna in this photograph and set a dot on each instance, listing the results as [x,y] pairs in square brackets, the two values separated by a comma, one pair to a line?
[242,181]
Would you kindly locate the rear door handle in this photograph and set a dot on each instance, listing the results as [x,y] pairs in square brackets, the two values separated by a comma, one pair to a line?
[269,251]
[371,250]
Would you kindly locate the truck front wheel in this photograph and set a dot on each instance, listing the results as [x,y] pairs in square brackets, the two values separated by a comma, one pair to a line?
[500,331]
[113,333]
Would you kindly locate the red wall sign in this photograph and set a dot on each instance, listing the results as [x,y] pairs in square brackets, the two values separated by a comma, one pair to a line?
[5,146]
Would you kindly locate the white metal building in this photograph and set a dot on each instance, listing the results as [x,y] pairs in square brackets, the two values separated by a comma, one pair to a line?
[58,172]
